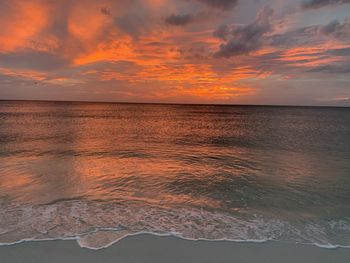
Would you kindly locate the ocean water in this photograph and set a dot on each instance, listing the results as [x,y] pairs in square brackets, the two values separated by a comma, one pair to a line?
[97,172]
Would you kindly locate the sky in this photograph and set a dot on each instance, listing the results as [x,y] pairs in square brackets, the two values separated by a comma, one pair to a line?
[279,52]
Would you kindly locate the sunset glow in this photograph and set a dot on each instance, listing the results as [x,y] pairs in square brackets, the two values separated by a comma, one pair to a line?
[227,51]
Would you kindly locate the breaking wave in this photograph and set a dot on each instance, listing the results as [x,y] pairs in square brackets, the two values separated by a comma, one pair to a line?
[98,224]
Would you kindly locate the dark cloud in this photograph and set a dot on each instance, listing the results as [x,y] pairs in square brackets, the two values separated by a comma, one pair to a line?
[332,69]
[220,4]
[331,27]
[340,52]
[157,44]
[133,25]
[300,36]
[248,38]
[222,32]
[136,17]
[189,18]
[312,34]
[34,60]
[197,51]
[180,20]
[336,28]
[313,4]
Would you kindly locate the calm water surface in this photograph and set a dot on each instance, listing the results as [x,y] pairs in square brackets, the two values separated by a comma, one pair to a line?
[96,172]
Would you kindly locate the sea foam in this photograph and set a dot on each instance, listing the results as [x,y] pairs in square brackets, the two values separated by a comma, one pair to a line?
[96,224]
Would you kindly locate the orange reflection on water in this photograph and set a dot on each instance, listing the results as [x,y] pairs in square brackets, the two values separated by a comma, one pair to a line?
[205,156]
[94,152]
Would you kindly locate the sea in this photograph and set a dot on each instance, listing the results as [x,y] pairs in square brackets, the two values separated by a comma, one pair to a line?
[99,172]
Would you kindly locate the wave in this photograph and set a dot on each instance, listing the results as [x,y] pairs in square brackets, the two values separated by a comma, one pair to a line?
[97,224]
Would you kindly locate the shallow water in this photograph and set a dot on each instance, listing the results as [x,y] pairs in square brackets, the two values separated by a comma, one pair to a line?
[96,172]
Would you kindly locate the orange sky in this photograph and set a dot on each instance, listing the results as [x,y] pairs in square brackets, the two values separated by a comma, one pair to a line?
[196,51]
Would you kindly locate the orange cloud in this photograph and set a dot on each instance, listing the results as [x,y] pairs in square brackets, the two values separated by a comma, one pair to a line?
[21,22]
[86,21]
[23,74]
[195,80]
[307,56]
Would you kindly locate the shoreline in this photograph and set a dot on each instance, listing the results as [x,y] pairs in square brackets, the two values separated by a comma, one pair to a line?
[76,239]
[157,249]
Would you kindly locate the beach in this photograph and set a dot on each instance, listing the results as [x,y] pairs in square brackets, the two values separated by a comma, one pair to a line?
[175,131]
[155,249]
[93,173]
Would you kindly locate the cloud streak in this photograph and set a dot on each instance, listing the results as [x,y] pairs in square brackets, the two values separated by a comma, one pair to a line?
[220,4]
[179,20]
[314,4]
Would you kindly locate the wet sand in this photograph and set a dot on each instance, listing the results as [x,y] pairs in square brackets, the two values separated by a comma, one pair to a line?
[155,249]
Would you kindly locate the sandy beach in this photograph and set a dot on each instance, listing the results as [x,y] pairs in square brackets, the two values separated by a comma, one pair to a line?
[155,249]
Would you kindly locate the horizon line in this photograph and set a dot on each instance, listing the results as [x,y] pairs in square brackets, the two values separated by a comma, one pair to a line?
[175,103]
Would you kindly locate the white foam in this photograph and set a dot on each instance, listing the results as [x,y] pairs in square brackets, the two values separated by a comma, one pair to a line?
[97,225]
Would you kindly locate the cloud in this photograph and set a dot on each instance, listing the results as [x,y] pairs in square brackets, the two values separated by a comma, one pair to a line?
[20,22]
[313,4]
[338,99]
[180,20]
[189,18]
[30,75]
[332,27]
[248,38]
[222,32]
[332,69]
[313,35]
[340,52]
[220,4]
[336,28]
[34,60]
